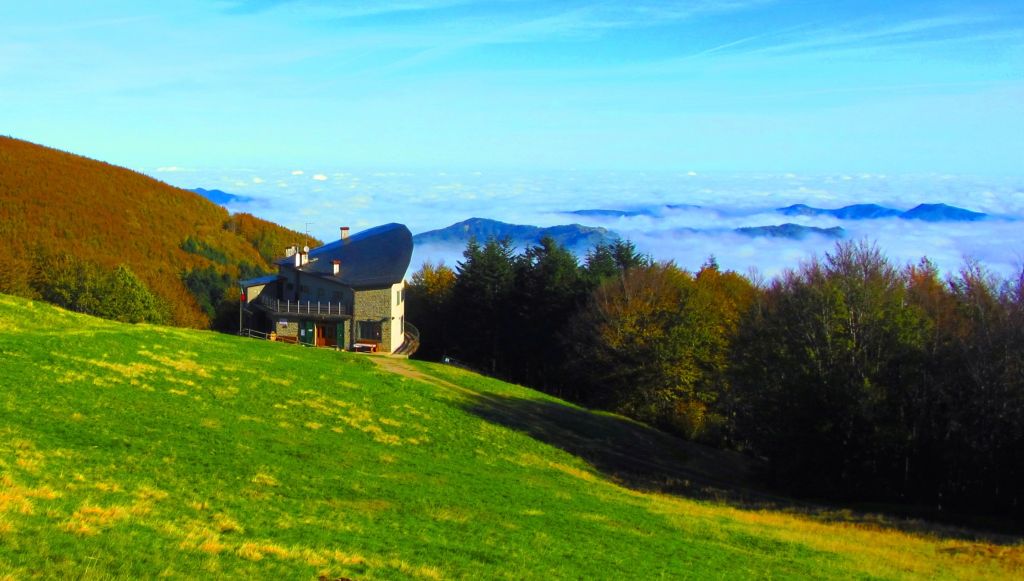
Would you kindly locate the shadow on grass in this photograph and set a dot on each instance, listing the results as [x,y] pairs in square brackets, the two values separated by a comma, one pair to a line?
[643,458]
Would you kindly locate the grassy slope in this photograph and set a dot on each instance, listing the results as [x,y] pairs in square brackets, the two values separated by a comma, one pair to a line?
[139,450]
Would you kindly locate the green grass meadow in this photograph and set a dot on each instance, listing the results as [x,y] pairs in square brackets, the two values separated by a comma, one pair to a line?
[143,451]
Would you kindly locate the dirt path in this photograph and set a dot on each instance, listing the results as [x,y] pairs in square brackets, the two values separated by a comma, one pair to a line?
[400,366]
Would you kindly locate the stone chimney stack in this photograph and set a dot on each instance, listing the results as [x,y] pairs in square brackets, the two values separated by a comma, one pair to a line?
[344,233]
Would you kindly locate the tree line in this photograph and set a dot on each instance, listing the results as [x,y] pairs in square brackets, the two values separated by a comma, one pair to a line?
[854,378]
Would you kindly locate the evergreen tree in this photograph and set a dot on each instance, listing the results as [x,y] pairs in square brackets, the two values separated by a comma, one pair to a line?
[547,290]
[127,299]
[604,261]
[481,295]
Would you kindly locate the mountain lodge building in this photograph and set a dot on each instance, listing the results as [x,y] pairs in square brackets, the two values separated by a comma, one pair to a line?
[348,294]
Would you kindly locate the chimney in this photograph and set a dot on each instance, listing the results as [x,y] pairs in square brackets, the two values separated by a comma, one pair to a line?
[289,252]
[336,267]
[344,233]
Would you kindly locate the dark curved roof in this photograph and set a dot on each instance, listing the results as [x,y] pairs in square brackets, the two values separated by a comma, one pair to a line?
[372,258]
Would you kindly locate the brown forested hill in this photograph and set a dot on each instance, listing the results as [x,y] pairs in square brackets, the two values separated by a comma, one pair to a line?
[53,203]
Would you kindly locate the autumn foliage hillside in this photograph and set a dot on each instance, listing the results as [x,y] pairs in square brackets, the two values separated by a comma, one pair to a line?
[56,204]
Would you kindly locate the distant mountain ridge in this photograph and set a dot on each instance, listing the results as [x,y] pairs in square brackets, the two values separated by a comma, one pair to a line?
[791,231]
[926,212]
[620,213]
[573,236]
[602,213]
[579,238]
[942,213]
[853,212]
[220,196]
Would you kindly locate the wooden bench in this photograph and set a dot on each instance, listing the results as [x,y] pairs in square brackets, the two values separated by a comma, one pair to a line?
[366,347]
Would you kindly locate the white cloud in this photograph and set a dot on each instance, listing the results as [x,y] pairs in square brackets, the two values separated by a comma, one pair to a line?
[170,169]
[320,177]
[298,172]
[257,180]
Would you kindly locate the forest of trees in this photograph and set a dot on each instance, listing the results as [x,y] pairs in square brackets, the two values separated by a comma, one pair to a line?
[854,378]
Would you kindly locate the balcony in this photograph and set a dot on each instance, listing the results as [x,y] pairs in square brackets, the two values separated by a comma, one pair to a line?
[312,309]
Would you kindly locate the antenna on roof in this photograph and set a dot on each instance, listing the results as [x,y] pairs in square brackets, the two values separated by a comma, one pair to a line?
[307,234]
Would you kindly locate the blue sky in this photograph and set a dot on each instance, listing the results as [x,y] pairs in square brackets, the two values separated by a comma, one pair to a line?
[711,85]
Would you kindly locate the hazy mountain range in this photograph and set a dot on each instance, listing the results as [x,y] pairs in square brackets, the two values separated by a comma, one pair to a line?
[926,212]
[581,238]
[791,231]
[736,221]
[220,196]
[576,237]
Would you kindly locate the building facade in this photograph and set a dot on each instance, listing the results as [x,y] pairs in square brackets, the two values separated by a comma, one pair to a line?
[348,294]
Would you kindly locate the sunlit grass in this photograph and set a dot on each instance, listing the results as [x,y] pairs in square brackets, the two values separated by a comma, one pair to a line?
[145,451]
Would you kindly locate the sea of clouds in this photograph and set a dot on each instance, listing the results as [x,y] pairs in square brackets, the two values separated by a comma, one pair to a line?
[319,200]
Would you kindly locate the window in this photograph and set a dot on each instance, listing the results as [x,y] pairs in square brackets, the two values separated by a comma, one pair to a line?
[398,298]
[369,330]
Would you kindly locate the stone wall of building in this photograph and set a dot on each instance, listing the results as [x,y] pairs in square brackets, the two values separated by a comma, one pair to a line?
[286,328]
[375,305]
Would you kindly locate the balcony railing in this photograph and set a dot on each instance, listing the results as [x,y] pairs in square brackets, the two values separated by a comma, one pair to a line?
[291,307]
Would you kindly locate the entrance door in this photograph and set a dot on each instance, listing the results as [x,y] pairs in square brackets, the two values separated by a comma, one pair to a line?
[306,330]
[326,335]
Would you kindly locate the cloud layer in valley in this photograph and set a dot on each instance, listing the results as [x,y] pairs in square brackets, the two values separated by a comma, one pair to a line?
[708,208]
